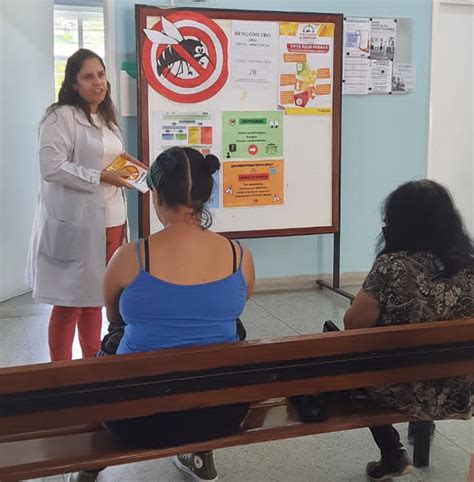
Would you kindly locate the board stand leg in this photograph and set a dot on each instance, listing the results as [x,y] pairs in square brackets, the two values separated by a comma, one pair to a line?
[336,266]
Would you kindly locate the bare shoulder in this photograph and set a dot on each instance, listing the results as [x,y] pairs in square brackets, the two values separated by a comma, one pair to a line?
[124,263]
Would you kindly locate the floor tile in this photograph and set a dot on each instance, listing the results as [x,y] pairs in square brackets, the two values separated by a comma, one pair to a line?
[304,311]
[261,323]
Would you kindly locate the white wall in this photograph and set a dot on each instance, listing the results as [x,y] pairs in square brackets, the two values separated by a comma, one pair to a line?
[26,89]
[451,139]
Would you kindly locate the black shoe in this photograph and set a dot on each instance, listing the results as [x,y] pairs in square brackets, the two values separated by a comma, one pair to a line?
[199,465]
[399,466]
[411,432]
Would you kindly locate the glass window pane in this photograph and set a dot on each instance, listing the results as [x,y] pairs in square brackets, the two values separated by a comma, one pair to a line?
[59,68]
[65,49]
[93,22]
[64,22]
[93,37]
[65,36]
[97,48]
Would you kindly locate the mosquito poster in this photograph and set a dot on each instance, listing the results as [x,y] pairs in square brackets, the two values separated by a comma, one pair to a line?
[185,57]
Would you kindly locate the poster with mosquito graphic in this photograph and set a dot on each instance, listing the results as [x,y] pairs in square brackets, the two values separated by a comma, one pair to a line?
[185,57]
[210,79]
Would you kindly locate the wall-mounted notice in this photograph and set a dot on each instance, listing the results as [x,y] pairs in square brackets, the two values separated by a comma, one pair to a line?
[356,75]
[306,68]
[383,38]
[356,56]
[403,78]
[357,36]
[253,54]
[252,135]
[184,129]
[188,129]
[253,183]
[380,76]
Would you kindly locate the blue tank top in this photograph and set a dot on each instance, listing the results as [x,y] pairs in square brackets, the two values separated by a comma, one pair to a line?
[159,314]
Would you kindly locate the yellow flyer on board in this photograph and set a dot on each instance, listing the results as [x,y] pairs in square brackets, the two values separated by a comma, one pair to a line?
[138,174]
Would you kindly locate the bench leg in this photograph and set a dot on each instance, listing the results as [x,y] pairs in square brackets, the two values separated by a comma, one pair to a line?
[421,452]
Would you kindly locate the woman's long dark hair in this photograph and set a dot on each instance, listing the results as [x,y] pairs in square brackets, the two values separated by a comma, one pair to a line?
[182,176]
[68,95]
[421,216]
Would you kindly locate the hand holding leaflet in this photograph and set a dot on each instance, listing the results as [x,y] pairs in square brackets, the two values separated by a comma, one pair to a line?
[137,171]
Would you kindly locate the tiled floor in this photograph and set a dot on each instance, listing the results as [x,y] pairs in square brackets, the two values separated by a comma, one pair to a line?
[339,457]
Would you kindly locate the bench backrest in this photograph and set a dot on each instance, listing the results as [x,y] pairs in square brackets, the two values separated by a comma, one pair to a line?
[52,395]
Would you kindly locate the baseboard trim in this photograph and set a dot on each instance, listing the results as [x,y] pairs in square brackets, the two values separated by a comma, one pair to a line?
[306,282]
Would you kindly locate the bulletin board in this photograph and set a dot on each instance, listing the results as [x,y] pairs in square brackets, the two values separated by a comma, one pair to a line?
[262,91]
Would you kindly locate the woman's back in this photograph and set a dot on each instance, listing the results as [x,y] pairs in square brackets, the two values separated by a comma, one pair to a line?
[414,289]
[191,293]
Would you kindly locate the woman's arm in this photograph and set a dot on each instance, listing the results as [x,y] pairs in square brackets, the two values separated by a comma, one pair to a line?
[248,271]
[117,277]
[56,139]
[363,313]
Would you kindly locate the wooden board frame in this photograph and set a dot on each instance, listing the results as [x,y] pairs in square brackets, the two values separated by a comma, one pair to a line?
[144,11]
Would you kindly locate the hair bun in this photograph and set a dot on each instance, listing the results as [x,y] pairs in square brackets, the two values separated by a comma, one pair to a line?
[169,161]
[212,163]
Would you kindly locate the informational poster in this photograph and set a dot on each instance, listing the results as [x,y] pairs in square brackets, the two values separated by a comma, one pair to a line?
[356,76]
[185,57]
[252,135]
[188,129]
[380,76]
[357,36]
[306,68]
[356,56]
[403,78]
[253,183]
[184,129]
[253,53]
[383,38]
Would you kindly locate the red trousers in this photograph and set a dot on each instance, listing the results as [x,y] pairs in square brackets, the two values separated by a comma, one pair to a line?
[63,319]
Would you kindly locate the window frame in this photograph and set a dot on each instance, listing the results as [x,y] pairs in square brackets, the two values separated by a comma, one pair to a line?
[79,13]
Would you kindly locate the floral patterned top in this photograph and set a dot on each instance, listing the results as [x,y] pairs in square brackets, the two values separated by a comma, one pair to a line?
[412,289]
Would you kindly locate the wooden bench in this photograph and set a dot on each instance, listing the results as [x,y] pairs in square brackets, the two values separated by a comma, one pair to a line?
[50,413]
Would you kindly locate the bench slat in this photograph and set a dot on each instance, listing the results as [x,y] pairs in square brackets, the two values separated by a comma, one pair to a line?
[61,454]
[53,375]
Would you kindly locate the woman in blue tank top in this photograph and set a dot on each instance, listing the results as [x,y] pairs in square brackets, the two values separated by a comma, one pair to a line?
[182,286]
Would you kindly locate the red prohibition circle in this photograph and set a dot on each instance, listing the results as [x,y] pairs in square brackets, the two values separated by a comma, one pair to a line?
[206,40]
[194,32]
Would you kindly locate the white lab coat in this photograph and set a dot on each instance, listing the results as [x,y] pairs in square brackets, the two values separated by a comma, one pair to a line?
[66,260]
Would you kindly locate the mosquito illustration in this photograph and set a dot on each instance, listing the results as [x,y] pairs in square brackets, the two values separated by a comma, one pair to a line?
[170,57]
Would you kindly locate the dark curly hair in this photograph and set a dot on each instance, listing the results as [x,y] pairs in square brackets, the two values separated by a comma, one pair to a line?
[182,176]
[421,216]
[68,95]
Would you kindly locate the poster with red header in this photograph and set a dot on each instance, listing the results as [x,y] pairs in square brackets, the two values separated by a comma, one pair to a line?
[306,68]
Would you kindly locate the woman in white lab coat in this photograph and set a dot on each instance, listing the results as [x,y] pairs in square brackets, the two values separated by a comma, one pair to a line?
[81,212]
